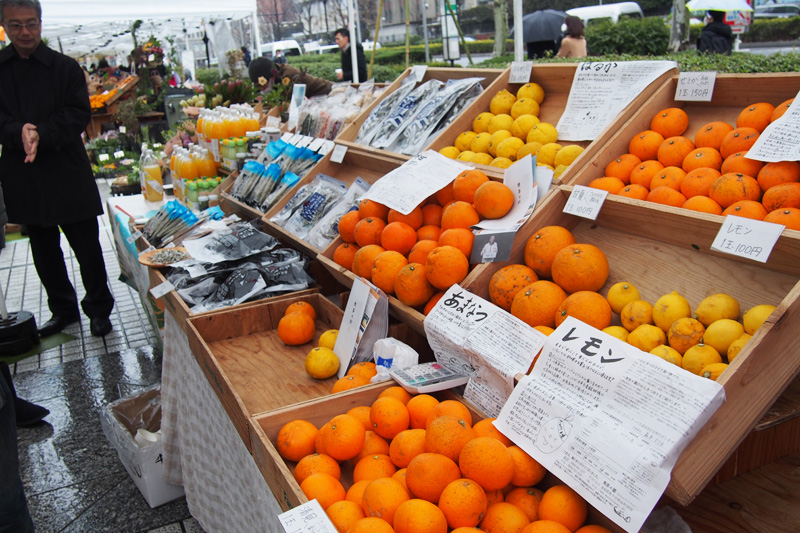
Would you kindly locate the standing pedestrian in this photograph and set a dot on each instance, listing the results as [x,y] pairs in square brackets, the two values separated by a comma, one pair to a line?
[574,43]
[343,41]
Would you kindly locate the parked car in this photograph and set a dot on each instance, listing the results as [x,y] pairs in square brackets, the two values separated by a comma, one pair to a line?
[288,47]
[613,12]
[772,11]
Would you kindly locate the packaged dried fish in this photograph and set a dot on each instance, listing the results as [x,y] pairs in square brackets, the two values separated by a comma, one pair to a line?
[327,229]
[288,181]
[393,125]
[373,122]
[327,191]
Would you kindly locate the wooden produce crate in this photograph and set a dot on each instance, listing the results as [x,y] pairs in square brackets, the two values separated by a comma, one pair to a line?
[556,80]
[660,251]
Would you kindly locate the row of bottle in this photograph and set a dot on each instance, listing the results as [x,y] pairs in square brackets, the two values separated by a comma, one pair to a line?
[150,175]
[190,163]
[197,193]
[223,123]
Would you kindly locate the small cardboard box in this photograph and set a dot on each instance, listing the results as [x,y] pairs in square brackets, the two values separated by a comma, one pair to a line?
[120,421]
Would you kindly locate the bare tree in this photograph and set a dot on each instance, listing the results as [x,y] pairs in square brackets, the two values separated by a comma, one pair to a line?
[679,30]
[307,16]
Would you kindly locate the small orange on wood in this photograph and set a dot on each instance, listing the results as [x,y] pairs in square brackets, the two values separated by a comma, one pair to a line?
[666,196]
[545,526]
[316,462]
[487,461]
[447,435]
[412,286]
[738,140]
[296,328]
[702,204]
[389,416]
[536,304]
[396,392]
[730,188]
[504,518]
[419,516]
[361,412]
[365,369]
[420,408]
[356,492]
[507,282]
[787,216]
[374,444]
[493,199]
[670,122]
[385,268]
[429,233]
[746,209]
[419,252]
[344,514]
[432,302]
[527,499]
[757,116]
[445,266]
[782,196]
[673,150]
[296,439]
[634,191]
[364,259]
[325,488]
[778,173]
[347,225]
[607,183]
[670,176]
[643,173]
[428,474]
[565,506]
[644,145]
[711,134]
[542,247]
[459,214]
[398,236]
[698,181]
[622,167]
[450,407]
[368,231]
[739,162]
[344,254]
[466,184]
[348,383]
[704,156]
[460,238]
[371,208]
[373,466]
[371,524]
[413,219]
[485,428]
[580,267]
[586,306]
[431,215]
[406,445]
[445,195]
[463,503]
[302,306]
[382,497]
[780,109]
[344,437]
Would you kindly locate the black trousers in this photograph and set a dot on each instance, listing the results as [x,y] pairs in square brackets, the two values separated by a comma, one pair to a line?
[84,239]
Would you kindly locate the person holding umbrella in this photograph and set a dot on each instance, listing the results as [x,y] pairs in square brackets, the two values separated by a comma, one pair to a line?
[573,44]
[716,36]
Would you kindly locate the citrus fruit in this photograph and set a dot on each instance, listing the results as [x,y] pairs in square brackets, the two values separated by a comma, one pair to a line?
[685,333]
[756,316]
[715,307]
[502,102]
[699,356]
[543,132]
[568,154]
[646,337]
[620,294]
[670,308]
[531,90]
[670,355]
[721,333]
[328,339]
[636,313]
[713,370]
[481,122]
[321,363]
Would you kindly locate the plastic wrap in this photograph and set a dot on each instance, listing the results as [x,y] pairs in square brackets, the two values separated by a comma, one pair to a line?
[373,122]
[326,193]
[327,229]
[400,117]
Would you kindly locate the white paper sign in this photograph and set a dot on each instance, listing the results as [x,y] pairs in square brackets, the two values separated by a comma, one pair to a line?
[585,202]
[326,147]
[410,184]
[304,141]
[160,290]
[316,144]
[133,236]
[607,419]
[519,178]
[151,57]
[148,249]
[781,140]
[287,137]
[599,93]
[543,178]
[119,154]
[418,72]
[357,315]
[294,139]
[273,121]
[102,157]
[338,154]
[306,518]
[122,129]
[695,86]
[748,238]
[520,72]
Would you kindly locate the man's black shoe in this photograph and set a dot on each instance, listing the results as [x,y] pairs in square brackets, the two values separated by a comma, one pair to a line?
[28,413]
[56,324]
[100,327]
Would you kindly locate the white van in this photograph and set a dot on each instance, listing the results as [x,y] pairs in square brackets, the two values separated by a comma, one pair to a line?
[289,47]
[613,12]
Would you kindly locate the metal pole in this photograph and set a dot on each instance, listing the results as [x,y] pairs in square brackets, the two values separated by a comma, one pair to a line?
[408,29]
[425,30]
[256,36]
[460,33]
[351,26]
[518,30]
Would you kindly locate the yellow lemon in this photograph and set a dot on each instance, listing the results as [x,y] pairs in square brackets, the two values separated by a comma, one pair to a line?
[450,151]
[524,106]
[501,162]
[620,294]
[522,125]
[636,313]
[715,307]
[545,165]
[509,148]
[721,333]
[531,90]
[558,171]
[568,154]
[481,142]
[502,102]
[543,132]
[737,345]
[685,333]
[547,154]
[481,158]
[481,122]
[328,339]
[670,355]
[670,308]
[497,138]
[321,363]
[528,148]
[700,356]
[755,316]
[466,155]
[464,139]
[646,337]
[618,332]
[499,122]
[713,370]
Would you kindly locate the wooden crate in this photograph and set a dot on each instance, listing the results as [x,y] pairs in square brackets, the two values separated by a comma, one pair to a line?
[660,251]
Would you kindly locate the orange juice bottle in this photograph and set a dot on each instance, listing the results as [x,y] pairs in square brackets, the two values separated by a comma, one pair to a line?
[188,169]
[251,122]
[200,121]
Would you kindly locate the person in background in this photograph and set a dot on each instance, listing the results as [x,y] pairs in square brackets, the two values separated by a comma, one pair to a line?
[45,172]
[246,57]
[573,44]
[716,37]
[280,59]
[489,251]
[265,74]
[343,42]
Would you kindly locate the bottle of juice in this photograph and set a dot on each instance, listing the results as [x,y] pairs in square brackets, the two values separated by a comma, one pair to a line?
[252,122]
[154,187]
[205,163]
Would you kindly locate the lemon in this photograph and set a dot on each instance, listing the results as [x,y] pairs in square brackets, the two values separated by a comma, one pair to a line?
[321,363]
[502,102]
[500,122]
[621,294]
[568,154]
[547,154]
[670,308]
[618,332]
[721,333]
[481,142]
[509,148]
[481,122]
[522,125]
[636,313]
[543,132]
[450,151]
[558,171]
[755,316]
[528,148]
[685,333]
[670,355]
[466,155]
[545,165]
[715,307]
[328,339]
[497,138]
[737,345]
[481,158]
[531,90]
[501,162]
[464,139]
[524,106]
[713,370]
[700,356]
[646,337]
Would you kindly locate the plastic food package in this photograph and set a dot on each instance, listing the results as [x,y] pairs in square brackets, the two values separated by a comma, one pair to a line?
[400,117]
[327,229]
[373,122]
[392,353]
[326,193]
[240,240]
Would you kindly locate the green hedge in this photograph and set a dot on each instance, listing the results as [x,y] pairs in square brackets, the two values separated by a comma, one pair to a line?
[773,30]
[648,36]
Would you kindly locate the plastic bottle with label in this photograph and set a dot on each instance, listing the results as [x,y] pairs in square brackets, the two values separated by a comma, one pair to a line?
[154,186]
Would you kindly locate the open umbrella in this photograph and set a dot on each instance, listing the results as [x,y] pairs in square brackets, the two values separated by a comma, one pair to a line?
[544,25]
[718,5]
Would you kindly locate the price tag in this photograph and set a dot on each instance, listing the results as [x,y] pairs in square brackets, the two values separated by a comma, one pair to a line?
[304,141]
[160,290]
[273,122]
[585,202]
[286,137]
[306,518]
[316,144]
[520,72]
[148,249]
[296,138]
[151,57]
[133,236]
[326,147]
[119,154]
[102,157]
[338,153]
[695,86]
[748,238]
[418,71]
[123,129]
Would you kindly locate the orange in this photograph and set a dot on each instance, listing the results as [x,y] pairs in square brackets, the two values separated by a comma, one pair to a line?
[711,134]
[542,247]
[407,445]
[347,226]
[565,506]
[413,219]
[607,183]
[428,474]
[371,524]
[445,195]
[730,188]
[463,503]
[372,467]
[527,499]
[527,470]
[429,233]
[670,122]
[316,462]
[400,476]
[296,328]
[536,304]
[398,236]
[318,446]
[419,408]
[781,109]
[466,184]
[704,156]
[746,209]
[545,526]
[781,196]
[431,215]
[487,461]
[756,116]
[445,266]
[787,216]
[389,416]
[368,231]
[738,140]
[591,528]
[296,439]
[684,333]
[411,286]
[325,488]
[580,267]
[586,306]
[385,268]
[666,196]
[450,407]
[670,176]
[344,514]
[698,181]
[507,282]
[459,214]
[303,307]
[494,496]
[446,435]
[356,492]
[364,259]
[622,167]
[673,150]
[504,518]
[370,208]
[637,192]
[739,162]
[361,412]
[365,369]
[643,173]
[493,199]
[374,444]
[419,252]
[344,254]
[382,497]
[644,145]
[419,516]
[397,392]
[485,428]
[344,437]
[778,173]
[703,204]
[460,238]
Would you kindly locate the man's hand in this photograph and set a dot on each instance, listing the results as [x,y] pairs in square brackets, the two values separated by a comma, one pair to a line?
[30,141]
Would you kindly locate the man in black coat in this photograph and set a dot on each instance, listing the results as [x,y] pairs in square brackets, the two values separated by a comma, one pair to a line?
[716,37]
[343,41]
[45,173]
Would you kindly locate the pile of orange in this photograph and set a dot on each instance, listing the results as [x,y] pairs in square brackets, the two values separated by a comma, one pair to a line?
[710,173]
[298,324]
[418,256]
[98,100]
[359,374]
[419,465]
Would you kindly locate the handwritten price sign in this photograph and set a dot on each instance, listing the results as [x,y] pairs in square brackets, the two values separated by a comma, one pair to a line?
[695,86]
[748,238]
